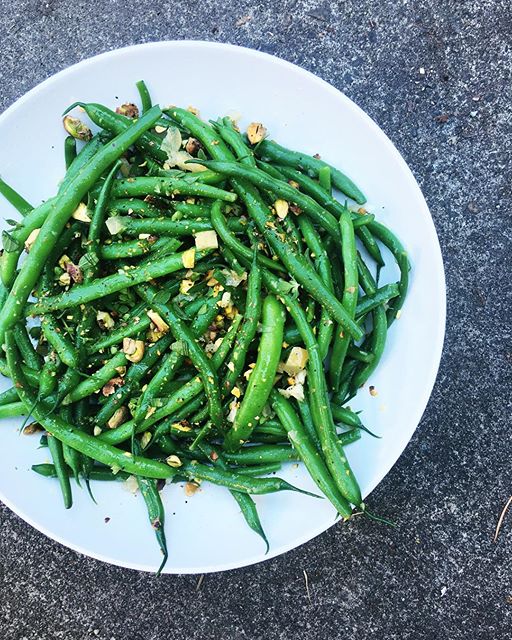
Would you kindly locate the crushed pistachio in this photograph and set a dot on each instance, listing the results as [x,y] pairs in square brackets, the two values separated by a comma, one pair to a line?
[256,132]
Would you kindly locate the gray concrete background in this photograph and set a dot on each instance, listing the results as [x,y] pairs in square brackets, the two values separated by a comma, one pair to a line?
[438,575]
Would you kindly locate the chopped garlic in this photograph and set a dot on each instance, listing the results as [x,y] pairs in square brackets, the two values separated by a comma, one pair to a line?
[31,239]
[206,240]
[296,361]
[80,213]
[131,484]
[188,258]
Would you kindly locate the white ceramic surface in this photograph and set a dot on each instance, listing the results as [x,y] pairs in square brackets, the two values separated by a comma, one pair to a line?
[206,532]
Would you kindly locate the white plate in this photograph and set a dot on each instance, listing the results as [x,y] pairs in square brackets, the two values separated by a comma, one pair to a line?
[206,532]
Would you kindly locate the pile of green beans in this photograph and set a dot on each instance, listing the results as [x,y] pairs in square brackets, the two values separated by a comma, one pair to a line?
[197,326]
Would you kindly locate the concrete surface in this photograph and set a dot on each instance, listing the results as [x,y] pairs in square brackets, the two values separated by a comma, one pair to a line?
[439,575]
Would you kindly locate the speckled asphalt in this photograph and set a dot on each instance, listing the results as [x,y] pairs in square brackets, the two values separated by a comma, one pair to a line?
[439,575]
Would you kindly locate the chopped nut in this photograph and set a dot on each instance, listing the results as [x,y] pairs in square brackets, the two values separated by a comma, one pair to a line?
[173,461]
[111,386]
[373,391]
[256,132]
[32,428]
[118,418]
[75,272]
[104,320]
[81,214]
[206,240]
[133,349]
[192,146]
[236,392]
[193,110]
[231,366]
[293,184]
[76,128]
[295,210]
[65,279]
[191,488]
[31,239]
[281,207]
[186,285]
[129,110]
[188,258]
[97,431]
[160,324]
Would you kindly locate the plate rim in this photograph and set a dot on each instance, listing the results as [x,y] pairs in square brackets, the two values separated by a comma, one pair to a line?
[439,272]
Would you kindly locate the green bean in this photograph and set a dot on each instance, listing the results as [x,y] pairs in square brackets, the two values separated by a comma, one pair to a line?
[30,356]
[261,454]
[349,437]
[60,341]
[262,376]
[268,149]
[170,187]
[145,96]
[378,342]
[309,454]
[48,471]
[12,410]
[134,206]
[326,325]
[370,245]
[350,294]
[248,328]
[59,213]
[236,482]
[195,353]
[234,139]
[308,422]
[55,447]
[244,500]
[69,151]
[345,415]
[259,470]
[366,279]
[13,197]
[325,179]
[359,354]
[9,396]
[164,226]
[156,512]
[130,248]
[381,296]
[101,287]
[399,253]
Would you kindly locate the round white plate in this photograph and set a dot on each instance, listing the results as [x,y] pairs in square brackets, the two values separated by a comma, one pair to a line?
[206,532]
